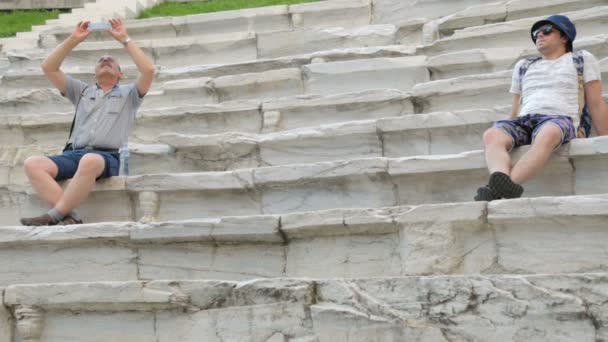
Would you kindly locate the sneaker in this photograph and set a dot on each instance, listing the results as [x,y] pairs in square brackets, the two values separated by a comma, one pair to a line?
[42,220]
[69,220]
[484,194]
[503,187]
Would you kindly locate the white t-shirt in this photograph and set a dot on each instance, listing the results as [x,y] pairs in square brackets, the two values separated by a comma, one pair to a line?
[550,87]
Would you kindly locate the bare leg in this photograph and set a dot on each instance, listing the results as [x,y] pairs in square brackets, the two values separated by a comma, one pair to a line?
[497,144]
[90,167]
[42,171]
[535,159]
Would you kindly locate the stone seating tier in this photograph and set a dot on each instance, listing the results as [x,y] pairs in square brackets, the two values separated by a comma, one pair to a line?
[332,148]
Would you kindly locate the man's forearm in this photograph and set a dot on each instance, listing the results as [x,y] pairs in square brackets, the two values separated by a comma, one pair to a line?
[55,59]
[143,63]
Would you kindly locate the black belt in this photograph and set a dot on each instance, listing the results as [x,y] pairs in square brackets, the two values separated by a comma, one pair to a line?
[109,150]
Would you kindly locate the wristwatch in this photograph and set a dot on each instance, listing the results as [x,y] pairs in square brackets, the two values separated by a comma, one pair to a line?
[126,41]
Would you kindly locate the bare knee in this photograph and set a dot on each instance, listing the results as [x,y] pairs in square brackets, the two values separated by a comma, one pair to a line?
[91,164]
[38,164]
[497,137]
[549,136]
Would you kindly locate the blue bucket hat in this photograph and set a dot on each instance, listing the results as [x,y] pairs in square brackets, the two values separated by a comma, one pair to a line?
[562,22]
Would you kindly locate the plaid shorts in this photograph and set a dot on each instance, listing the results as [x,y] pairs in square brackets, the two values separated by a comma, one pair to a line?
[524,129]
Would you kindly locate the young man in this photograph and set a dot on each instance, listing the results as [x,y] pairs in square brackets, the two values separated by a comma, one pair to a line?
[105,112]
[549,90]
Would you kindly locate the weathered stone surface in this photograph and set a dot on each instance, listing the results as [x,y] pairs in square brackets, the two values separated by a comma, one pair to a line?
[353,76]
[340,13]
[313,110]
[441,308]
[263,86]
[390,11]
[275,44]
[513,33]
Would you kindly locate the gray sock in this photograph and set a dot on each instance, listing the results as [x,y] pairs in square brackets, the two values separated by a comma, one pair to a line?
[56,215]
[74,215]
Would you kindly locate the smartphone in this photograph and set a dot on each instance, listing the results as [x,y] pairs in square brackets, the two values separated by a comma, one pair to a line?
[99,26]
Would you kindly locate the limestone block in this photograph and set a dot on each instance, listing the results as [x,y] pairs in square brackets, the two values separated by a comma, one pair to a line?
[475,61]
[285,43]
[239,116]
[518,9]
[341,13]
[206,261]
[263,19]
[214,152]
[254,323]
[7,323]
[224,48]
[344,256]
[413,32]
[559,234]
[224,230]
[185,92]
[474,16]
[446,239]
[327,143]
[76,262]
[513,33]
[353,76]
[261,86]
[316,110]
[390,11]
[340,222]
[485,91]
[13,236]
[436,133]
[385,304]
[98,327]
[307,187]
[587,156]
[35,101]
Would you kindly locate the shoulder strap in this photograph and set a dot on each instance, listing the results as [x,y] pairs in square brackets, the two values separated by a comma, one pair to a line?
[584,128]
[523,68]
[75,112]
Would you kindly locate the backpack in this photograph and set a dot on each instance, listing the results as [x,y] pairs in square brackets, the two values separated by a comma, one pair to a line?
[584,128]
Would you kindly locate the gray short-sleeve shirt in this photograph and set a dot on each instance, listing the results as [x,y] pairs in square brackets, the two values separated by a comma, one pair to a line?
[102,120]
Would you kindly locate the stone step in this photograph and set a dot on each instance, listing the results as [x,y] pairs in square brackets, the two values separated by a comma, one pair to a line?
[370,182]
[234,47]
[526,236]
[33,4]
[344,13]
[34,78]
[236,116]
[334,78]
[485,90]
[515,33]
[408,135]
[504,11]
[566,307]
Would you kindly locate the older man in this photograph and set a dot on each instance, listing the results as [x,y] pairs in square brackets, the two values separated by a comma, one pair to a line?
[548,93]
[105,113]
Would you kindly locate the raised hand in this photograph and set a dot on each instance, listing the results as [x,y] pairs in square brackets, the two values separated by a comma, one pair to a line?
[118,30]
[81,32]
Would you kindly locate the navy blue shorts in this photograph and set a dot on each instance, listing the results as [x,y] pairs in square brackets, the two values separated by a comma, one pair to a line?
[67,163]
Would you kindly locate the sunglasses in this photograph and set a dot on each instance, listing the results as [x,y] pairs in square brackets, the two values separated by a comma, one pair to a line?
[546,30]
[107,58]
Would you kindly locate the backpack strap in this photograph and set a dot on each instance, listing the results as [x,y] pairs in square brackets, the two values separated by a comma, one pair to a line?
[523,68]
[68,143]
[584,128]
